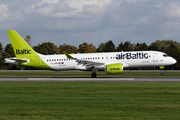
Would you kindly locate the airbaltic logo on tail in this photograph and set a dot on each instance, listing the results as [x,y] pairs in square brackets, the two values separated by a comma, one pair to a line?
[23,51]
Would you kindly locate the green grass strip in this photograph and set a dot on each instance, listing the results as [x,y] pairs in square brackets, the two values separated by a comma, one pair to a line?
[90,101]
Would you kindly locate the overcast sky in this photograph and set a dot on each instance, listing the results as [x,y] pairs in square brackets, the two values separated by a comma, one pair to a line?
[93,21]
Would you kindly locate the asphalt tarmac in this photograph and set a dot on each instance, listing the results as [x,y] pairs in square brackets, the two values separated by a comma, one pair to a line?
[157,79]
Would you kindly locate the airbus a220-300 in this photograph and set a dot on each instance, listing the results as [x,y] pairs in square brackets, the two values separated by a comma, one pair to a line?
[109,62]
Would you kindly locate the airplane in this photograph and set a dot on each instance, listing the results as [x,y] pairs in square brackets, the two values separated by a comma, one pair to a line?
[109,62]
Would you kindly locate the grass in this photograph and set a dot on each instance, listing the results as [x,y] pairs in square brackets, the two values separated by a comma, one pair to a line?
[90,101]
[38,73]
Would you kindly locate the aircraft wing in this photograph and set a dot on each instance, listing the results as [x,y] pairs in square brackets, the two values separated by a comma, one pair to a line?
[91,64]
[87,63]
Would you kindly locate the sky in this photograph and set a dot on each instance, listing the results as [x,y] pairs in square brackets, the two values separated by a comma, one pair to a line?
[93,21]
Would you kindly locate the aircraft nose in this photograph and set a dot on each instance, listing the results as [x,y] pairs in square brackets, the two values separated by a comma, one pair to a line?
[173,61]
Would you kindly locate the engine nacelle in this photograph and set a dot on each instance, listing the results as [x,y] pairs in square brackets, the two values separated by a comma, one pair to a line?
[116,68]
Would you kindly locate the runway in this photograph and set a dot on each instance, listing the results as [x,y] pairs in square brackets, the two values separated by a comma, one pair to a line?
[157,79]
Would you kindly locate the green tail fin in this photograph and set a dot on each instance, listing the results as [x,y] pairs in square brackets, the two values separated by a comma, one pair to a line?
[25,53]
[20,46]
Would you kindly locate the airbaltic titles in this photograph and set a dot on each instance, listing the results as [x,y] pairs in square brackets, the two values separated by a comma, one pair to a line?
[138,55]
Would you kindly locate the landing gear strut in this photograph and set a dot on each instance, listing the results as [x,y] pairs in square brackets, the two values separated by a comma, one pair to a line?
[93,75]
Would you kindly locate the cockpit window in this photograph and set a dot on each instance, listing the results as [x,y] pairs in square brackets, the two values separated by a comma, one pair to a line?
[165,55]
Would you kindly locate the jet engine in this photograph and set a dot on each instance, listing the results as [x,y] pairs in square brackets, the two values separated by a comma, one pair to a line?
[116,68]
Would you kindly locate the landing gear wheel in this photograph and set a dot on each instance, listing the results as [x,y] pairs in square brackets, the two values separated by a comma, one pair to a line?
[162,74]
[93,75]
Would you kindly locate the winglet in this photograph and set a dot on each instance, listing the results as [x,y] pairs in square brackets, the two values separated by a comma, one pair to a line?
[67,55]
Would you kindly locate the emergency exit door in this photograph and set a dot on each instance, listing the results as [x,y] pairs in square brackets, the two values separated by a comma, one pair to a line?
[155,57]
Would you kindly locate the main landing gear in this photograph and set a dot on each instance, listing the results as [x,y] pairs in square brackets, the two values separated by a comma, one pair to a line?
[93,75]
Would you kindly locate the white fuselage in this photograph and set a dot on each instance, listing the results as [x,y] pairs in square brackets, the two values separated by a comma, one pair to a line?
[129,59]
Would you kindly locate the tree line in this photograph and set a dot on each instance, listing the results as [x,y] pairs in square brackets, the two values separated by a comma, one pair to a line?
[170,47]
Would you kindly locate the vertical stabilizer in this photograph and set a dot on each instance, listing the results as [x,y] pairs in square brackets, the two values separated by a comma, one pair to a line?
[20,46]
[25,55]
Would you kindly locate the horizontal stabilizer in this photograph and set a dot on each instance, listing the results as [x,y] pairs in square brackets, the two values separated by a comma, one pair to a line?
[14,61]
[19,60]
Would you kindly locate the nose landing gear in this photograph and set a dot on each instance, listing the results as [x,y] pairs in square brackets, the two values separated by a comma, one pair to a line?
[161,67]
[162,74]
